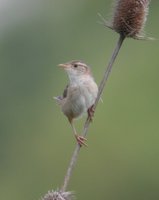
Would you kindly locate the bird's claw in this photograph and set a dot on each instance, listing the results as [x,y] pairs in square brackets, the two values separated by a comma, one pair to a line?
[81,140]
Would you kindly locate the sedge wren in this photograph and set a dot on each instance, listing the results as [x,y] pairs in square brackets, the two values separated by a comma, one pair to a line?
[79,95]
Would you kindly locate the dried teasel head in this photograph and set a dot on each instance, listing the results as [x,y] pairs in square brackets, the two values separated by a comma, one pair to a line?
[130,17]
[58,195]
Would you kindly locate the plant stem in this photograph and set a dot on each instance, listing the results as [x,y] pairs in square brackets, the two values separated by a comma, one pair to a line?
[70,168]
[87,123]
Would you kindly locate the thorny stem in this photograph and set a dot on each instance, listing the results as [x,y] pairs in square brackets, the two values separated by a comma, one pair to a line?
[87,123]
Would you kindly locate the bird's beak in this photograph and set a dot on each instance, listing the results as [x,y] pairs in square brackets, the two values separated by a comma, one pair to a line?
[63,66]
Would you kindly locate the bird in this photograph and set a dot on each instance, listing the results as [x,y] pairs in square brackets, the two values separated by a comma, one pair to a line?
[79,95]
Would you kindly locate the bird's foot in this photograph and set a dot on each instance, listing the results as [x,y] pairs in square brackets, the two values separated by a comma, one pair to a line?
[90,112]
[81,140]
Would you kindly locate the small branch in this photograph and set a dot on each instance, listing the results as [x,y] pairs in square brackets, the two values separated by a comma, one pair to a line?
[87,123]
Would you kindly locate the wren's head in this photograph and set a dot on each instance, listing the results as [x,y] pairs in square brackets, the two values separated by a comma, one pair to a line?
[76,70]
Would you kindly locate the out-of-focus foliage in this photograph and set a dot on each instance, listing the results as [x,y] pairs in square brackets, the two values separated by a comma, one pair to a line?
[36,142]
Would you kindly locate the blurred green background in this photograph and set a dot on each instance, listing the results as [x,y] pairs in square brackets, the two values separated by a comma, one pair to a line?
[36,141]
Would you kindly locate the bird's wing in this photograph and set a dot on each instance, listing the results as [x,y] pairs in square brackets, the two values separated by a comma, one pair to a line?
[61,99]
[65,92]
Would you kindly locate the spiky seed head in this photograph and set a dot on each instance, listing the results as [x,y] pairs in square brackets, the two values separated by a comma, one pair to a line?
[58,195]
[130,17]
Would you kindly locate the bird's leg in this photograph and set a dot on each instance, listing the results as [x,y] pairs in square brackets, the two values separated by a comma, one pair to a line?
[90,112]
[80,139]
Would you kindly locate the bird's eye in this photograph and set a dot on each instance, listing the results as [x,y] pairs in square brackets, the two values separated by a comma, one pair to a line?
[75,65]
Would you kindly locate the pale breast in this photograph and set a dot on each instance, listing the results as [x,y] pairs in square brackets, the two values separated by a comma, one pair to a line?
[90,91]
[79,98]
[74,105]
